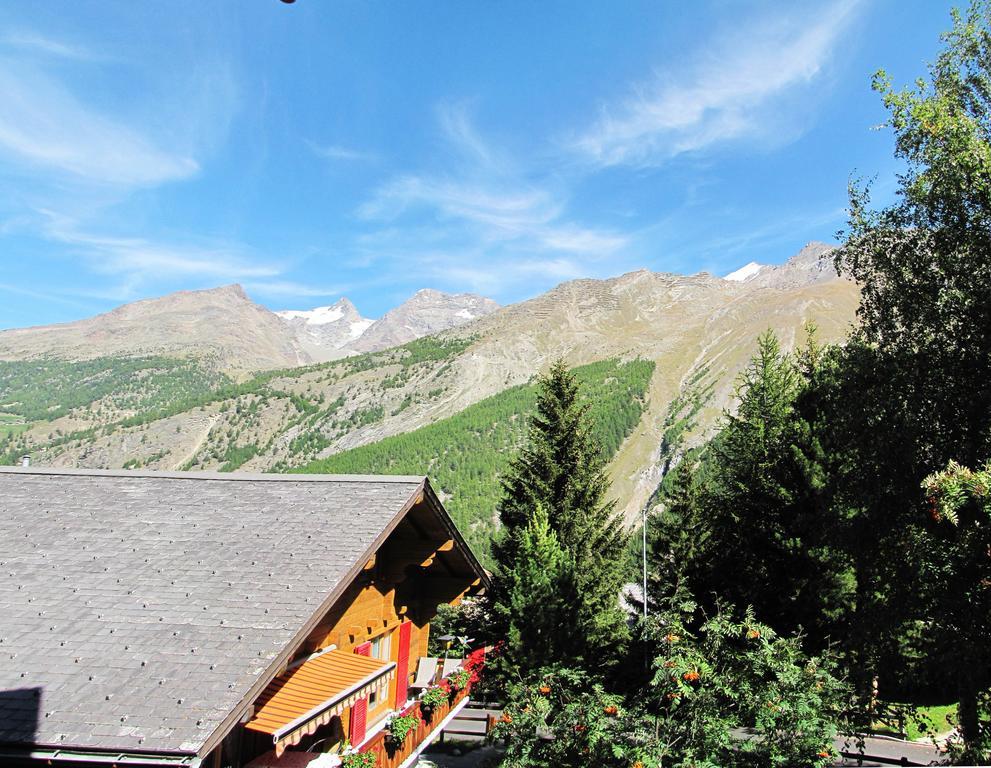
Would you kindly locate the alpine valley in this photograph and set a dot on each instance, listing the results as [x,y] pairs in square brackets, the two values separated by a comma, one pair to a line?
[210,380]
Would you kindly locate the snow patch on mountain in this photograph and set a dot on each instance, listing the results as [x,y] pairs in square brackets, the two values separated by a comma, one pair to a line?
[745,272]
[329,332]
[318,316]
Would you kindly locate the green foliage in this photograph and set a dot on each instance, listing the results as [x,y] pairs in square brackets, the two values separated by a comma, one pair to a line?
[561,718]
[424,350]
[707,686]
[434,696]
[236,455]
[47,389]
[761,481]
[557,483]
[465,454]
[401,726]
[367,759]
[459,679]
[913,389]
[533,604]
[734,674]
[957,569]
[682,413]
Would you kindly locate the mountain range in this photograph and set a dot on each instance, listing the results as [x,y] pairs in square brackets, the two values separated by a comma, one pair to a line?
[280,391]
[231,333]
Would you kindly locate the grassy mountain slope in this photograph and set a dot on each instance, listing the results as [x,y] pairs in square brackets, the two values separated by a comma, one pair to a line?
[465,454]
[77,400]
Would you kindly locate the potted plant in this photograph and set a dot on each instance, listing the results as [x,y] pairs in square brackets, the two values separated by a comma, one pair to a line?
[432,698]
[401,726]
[459,679]
[367,759]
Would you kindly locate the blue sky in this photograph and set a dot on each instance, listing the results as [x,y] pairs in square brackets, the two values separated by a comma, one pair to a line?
[370,149]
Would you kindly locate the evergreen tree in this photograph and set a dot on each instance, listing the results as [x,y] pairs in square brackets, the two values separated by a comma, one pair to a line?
[561,470]
[751,524]
[679,537]
[534,601]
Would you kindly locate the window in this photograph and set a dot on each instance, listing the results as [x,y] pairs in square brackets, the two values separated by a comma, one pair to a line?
[382,650]
[382,647]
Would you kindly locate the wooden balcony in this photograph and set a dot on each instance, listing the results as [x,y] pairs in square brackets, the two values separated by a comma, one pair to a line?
[392,755]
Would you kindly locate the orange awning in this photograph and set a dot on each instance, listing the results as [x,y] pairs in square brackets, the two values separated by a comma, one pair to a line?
[303,698]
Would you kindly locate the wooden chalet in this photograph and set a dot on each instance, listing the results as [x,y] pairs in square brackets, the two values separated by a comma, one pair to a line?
[223,620]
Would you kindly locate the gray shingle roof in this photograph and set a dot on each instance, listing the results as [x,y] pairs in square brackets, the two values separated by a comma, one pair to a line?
[142,607]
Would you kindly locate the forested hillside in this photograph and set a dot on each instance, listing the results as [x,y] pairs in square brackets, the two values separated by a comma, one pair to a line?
[97,394]
[464,455]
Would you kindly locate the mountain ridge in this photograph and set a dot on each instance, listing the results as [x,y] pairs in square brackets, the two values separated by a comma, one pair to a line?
[692,328]
[235,334]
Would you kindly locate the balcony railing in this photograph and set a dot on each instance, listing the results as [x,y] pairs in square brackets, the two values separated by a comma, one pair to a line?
[393,755]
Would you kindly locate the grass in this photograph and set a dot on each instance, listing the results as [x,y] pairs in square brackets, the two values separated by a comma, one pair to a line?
[923,721]
[9,430]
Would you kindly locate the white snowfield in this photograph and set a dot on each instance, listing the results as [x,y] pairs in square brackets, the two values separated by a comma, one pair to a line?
[317,316]
[745,272]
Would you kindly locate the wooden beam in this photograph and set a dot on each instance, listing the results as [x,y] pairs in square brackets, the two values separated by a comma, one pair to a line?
[400,554]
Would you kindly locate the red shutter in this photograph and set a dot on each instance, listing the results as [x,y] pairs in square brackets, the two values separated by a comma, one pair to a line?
[359,711]
[402,664]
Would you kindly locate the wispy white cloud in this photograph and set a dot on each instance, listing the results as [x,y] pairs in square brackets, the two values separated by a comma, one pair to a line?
[43,124]
[31,41]
[484,276]
[483,222]
[45,296]
[339,152]
[135,262]
[292,288]
[732,89]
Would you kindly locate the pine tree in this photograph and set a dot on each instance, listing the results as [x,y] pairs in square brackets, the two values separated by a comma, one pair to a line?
[562,471]
[751,523]
[532,602]
[679,536]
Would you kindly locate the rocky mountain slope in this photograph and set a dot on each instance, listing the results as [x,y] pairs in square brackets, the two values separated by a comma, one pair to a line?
[426,313]
[230,333]
[696,330]
[221,326]
[327,332]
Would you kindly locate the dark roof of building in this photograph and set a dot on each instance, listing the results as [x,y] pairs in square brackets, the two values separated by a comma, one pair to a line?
[138,610]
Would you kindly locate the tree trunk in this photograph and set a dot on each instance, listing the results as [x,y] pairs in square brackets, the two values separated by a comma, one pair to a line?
[967,713]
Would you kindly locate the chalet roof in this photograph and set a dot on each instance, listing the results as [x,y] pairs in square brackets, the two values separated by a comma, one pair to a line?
[138,610]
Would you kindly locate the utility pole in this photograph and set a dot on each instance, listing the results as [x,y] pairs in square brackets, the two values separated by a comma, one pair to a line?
[644,595]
